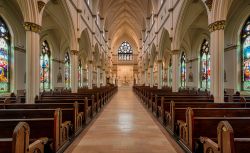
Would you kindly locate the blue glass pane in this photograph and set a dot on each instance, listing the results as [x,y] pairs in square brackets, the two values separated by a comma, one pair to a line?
[45,67]
[4,57]
[125,52]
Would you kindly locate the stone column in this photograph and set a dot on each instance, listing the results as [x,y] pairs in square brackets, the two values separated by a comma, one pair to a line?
[104,77]
[217,60]
[32,61]
[98,76]
[74,71]
[151,76]
[146,77]
[160,78]
[90,75]
[175,71]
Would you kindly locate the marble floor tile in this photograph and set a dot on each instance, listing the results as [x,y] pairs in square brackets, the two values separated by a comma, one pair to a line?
[124,126]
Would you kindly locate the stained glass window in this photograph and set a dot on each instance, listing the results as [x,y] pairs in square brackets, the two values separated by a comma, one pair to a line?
[170,72]
[4,57]
[205,65]
[183,70]
[80,73]
[245,41]
[67,70]
[125,52]
[45,67]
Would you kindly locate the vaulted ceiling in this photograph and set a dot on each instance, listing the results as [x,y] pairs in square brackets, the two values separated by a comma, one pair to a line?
[125,19]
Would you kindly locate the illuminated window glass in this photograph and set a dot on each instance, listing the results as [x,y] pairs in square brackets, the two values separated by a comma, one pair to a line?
[205,65]
[67,70]
[80,73]
[125,52]
[4,57]
[245,41]
[183,70]
[170,72]
[45,67]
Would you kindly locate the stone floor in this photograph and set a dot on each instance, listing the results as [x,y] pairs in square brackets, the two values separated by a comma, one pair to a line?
[124,126]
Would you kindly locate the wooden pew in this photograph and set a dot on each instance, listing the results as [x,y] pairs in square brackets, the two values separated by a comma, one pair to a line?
[43,123]
[174,111]
[77,118]
[17,140]
[200,121]
[162,102]
[87,109]
[231,138]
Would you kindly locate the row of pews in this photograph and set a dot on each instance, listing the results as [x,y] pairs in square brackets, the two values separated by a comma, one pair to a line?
[51,124]
[198,124]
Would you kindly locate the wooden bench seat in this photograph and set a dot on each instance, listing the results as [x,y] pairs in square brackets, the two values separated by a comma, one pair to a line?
[199,121]
[19,140]
[48,124]
[186,99]
[76,117]
[232,137]
[174,111]
[89,105]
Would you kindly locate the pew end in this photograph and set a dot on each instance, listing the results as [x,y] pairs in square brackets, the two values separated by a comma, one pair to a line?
[20,140]
[225,140]
[38,145]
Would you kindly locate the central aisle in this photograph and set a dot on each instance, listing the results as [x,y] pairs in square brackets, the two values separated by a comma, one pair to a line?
[124,126]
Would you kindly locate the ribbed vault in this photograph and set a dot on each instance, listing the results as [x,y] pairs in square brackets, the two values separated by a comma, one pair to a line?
[125,19]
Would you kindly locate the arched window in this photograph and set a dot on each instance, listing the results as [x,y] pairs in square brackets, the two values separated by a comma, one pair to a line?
[67,70]
[5,42]
[125,52]
[45,67]
[205,65]
[183,70]
[245,41]
[170,72]
[80,73]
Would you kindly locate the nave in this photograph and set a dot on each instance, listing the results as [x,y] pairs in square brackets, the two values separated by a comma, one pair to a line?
[124,126]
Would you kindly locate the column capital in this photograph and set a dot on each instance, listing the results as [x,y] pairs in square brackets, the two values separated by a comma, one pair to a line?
[74,52]
[33,27]
[217,25]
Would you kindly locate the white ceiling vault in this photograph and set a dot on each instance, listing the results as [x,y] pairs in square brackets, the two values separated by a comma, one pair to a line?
[125,20]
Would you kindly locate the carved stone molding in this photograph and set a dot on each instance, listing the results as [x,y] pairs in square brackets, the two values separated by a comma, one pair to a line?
[19,49]
[230,48]
[28,26]
[218,25]
[209,4]
[57,60]
[74,52]
[174,52]
[159,61]
[40,4]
